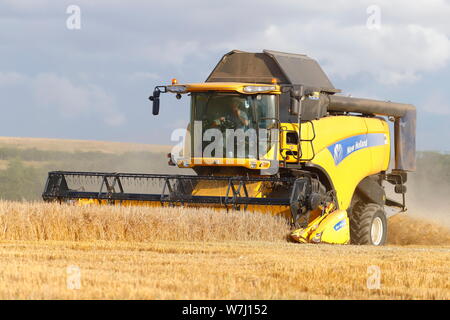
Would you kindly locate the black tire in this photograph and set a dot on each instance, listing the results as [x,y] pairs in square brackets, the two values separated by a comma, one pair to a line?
[363,217]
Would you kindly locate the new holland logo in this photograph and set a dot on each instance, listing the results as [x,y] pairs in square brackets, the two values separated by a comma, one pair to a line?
[339,225]
[338,153]
[343,148]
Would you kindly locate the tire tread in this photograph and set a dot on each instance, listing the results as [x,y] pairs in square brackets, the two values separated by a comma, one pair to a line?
[361,222]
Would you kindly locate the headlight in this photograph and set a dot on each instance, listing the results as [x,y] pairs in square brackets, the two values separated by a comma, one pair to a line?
[251,89]
[176,89]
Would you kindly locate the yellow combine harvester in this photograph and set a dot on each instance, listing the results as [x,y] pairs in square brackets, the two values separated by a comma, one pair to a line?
[268,132]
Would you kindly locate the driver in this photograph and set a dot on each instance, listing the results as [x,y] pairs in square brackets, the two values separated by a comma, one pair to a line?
[238,116]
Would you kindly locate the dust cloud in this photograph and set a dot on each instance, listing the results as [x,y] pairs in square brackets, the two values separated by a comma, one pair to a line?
[406,230]
[427,220]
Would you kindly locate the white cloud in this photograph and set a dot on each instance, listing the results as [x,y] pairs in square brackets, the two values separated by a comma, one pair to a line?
[413,38]
[391,55]
[74,100]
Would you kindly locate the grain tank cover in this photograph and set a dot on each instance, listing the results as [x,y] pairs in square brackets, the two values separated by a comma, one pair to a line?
[287,68]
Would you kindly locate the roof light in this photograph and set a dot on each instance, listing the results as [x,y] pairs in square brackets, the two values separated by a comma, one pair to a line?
[251,89]
[174,81]
[176,89]
[274,80]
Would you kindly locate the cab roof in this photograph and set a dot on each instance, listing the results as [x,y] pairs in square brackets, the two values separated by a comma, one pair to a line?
[286,68]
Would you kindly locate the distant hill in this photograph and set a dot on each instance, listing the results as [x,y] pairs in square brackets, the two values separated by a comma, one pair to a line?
[25,162]
[80,145]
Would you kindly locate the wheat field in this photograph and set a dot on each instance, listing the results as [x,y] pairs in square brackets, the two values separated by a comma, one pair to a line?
[181,253]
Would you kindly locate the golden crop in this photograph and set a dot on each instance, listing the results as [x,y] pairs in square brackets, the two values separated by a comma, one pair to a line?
[50,221]
[180,253]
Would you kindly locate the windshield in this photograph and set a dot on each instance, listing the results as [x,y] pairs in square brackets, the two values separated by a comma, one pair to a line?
[235,118]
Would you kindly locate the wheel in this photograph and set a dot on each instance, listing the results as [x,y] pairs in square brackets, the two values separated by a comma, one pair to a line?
[368,224]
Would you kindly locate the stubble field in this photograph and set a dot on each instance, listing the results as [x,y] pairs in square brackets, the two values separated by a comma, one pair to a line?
[176,253]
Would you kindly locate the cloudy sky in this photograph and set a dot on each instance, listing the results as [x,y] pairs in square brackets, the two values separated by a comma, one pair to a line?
[92,82]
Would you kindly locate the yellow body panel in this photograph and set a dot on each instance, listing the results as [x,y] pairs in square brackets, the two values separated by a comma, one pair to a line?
[330,228]
[334,228]
[254,190]
[283,211]
[208,188]
[380,154]
[360,163]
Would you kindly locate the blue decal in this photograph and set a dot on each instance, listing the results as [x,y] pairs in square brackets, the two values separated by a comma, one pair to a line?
[339,225]
[343,148]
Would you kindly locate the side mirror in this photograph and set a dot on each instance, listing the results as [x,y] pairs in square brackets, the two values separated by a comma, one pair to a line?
[155,99]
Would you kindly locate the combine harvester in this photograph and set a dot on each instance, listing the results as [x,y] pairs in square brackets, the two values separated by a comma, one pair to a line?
[269,133]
